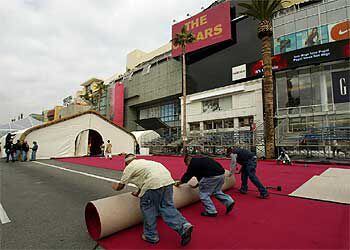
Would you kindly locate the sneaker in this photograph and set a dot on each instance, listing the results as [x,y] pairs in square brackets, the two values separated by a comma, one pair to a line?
[230,207]
[149,241]
[209,214]
[186,237]
[242,191]
[264,196]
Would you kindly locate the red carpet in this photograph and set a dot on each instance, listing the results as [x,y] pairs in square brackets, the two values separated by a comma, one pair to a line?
[277,223]
[289,177]
[280,222]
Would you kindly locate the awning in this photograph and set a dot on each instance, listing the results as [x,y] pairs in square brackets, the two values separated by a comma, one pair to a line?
[152,124]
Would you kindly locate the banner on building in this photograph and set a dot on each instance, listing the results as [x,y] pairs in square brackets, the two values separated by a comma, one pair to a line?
[312,37]
[339,31]
[341,86]
[307,56]
[239,72]
[208,27]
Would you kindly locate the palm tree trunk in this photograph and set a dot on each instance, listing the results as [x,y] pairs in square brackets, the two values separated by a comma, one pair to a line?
[268,99]
[184,85]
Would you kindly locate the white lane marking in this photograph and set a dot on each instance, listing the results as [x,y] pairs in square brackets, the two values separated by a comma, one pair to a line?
[83,173]
[3,216]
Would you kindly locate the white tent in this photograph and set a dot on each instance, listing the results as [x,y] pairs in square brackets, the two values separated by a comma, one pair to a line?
[71,136]
[145,136]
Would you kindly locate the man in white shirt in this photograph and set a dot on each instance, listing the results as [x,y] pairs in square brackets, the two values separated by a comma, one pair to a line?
[156,197]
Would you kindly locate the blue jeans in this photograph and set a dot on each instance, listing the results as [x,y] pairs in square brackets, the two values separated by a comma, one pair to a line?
[24,155]
[248,171]
[160,202]
[212,186]
[33,158]
[18,153]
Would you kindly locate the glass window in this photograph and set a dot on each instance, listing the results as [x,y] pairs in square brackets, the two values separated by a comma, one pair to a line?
[245,121]
[281,90]
[292,85]
[194,126]
[208,125]
[316,85]
[218,124]
[228,123]
[312,21]
[305,87]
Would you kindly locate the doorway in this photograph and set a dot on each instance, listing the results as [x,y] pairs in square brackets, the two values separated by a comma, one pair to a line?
[88,143]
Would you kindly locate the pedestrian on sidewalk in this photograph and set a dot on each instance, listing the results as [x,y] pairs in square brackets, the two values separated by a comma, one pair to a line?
[108,153]
[155,190]
[25,150]
[211,177]
[247,160]
[34,150]
[18,148]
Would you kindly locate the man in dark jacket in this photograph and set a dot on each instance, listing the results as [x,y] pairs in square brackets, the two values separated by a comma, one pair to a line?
[211,176]
[9,150]
[25,149]
[247,160]
[18,148]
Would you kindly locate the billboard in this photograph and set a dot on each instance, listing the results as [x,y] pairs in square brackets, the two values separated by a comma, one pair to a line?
[208,27]
[306,56]
[313,36]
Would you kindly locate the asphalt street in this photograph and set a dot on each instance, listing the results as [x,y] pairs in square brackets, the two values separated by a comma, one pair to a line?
[46,205]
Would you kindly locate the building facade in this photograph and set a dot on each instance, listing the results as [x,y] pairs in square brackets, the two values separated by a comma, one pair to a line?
[312,89]
[152,91]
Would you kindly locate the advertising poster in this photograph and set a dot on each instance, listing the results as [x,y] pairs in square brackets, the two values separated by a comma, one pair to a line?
[339,31]
[341,86]
[208,27]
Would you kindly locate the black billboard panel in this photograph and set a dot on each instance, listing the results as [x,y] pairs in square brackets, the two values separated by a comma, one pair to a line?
[307,56]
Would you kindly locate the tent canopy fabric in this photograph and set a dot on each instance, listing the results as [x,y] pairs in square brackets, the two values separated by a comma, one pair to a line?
[145,136]
[70,137]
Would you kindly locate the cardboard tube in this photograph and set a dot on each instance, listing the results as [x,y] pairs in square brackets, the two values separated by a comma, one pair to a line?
[113,214]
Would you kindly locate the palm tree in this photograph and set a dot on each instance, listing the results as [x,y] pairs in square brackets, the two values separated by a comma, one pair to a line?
[182,39]
[263,11]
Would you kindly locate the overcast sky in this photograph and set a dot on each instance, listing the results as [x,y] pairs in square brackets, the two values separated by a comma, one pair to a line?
[49,47]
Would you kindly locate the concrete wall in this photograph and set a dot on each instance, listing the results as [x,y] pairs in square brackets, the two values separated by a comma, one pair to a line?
[162,81]
[72,110]
[137,56]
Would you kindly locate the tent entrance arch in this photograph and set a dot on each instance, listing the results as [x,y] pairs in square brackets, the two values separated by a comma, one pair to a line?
[88,142]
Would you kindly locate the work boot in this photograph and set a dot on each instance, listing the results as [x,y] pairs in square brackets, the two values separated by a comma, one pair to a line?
[242,191]
[186,236]
[230,207]
[209,214]
[264,196]
[149,241]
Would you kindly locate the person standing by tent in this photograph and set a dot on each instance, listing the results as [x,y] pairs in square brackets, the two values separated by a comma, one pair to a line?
[34,150]
[25,150]
[156,197]
[17,148]
[102,148]
[108,153]
[211,177]
[9,151]
[247,160]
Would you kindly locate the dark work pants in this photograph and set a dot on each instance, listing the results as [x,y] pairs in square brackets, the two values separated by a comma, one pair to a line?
[249,171]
